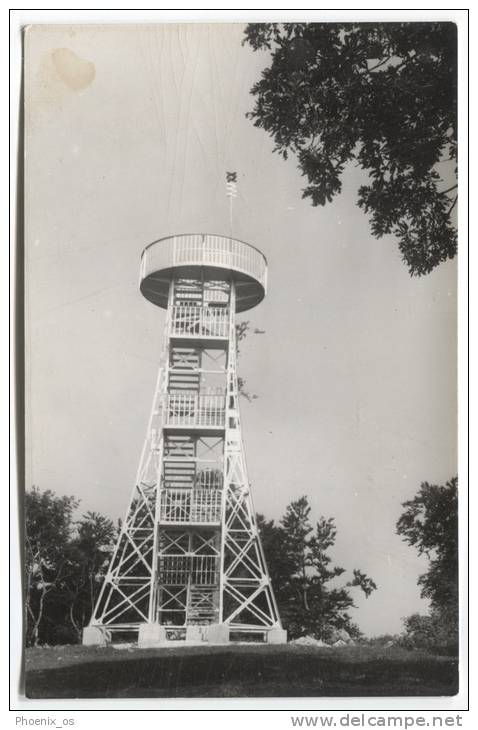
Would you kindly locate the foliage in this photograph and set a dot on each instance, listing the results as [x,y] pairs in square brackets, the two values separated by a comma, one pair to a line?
[384,641]
[430,524]
[381,95]
[428,633]
[65,560]
[48,532]
[303,576]
[242,331]
[90,554]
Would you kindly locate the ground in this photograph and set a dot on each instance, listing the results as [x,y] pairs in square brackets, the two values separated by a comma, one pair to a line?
[237,671]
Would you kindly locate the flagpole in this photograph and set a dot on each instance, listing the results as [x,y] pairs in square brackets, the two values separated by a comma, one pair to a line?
[231,192]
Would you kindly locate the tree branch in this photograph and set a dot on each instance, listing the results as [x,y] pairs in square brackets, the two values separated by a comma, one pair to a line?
[452,205]
[377,65]
[443,192]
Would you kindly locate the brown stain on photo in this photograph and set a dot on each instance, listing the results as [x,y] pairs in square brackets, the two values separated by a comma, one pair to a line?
[61,77]
[76,72]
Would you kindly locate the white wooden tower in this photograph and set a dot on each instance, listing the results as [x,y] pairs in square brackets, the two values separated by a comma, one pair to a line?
[188,564]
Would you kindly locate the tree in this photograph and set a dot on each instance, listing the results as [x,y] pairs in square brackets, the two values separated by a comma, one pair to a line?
[278,564]
[381,95]
[48,529]
[430,524]
[65,562]
[89,556]
[301,571]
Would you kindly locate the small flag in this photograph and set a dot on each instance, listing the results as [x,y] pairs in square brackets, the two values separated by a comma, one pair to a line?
[231,184]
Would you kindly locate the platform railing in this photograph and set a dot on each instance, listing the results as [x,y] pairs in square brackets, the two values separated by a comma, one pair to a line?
[193,321]
[180,569]
[186,409]
[190,505]
[205,249]
[210,478]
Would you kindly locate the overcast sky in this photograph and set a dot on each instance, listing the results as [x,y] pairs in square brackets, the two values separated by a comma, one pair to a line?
[129,133]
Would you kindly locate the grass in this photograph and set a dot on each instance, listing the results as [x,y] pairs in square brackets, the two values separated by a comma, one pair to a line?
[236,671]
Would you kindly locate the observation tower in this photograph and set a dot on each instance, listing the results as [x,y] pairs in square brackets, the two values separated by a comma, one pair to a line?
[188,564]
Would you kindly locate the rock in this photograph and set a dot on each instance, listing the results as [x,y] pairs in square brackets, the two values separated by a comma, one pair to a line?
[307,641]
[340,642]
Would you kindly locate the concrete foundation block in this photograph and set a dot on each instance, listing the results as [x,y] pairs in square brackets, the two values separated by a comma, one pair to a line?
[151,635]
[277,636]
[217,634]
[93,636]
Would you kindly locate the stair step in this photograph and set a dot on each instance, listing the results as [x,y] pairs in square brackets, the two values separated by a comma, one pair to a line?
[183,388]
[178,452]
[177,385]
[178,475]
[179,465]
[185,375]
[177,480]
[171,465]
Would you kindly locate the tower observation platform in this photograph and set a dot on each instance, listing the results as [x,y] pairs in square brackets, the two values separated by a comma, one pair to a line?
[217,256]
[188,564]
